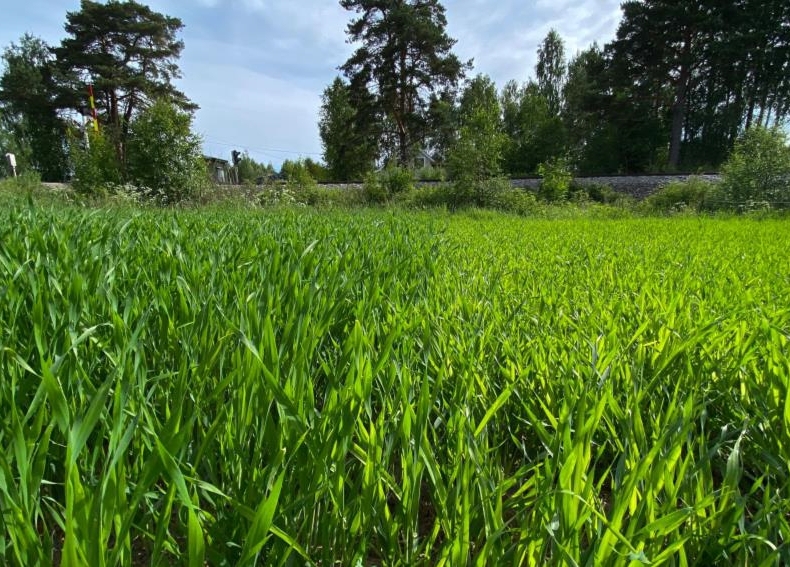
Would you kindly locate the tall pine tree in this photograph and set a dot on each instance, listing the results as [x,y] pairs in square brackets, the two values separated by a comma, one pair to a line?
[405,61]
[129,52]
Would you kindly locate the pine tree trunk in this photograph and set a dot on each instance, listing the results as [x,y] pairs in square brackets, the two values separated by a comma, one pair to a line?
[678,118]
[679,107]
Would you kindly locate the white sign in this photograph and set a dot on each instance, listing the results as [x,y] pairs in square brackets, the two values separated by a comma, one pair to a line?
[11,160]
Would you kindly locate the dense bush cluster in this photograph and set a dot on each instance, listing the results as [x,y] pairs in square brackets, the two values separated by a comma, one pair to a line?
[163,159]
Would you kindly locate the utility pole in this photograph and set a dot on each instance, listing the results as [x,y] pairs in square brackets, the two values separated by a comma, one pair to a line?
[89,116]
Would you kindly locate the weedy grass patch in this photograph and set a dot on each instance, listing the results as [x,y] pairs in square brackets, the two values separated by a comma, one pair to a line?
[233,387]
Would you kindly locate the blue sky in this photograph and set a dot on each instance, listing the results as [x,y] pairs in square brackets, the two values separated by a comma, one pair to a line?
[257,68]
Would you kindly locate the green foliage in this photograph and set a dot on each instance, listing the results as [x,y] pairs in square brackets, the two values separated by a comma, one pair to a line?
[694,193]
[251,172]
[758,170]
[430,173]
[381,186]
[317,171]
[474,161]
[131,54]
[278,195]
[661,50]
[396,179]
[30,126]
[517,201]
[551,71]
[164,157]
[403,63]
[236,387]
[23,183]
[556,179]
[297,173]
[96,169]
[534,134]
[348,136]
[373,189]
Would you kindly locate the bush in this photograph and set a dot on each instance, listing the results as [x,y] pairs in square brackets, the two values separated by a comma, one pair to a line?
[297,174]
[434,196]
[278,194]
[596,192]
[430,173]
[679,195]
[474,161]
[483,194]
[26,182]
[758,170]
[517,201]
[96,169]
[487,192]
[164,158]
[381,186]
[556,179]
[374,190]
[396,180]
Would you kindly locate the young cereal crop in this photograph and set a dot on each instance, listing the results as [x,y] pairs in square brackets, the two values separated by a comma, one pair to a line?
[250,388]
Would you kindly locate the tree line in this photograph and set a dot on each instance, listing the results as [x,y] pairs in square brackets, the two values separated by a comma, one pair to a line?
[673,90]
[129,54]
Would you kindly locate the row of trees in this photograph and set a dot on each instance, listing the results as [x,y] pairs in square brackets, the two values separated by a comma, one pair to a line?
[129,54]
[673,90]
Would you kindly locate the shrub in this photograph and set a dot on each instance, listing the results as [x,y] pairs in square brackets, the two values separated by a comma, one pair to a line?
[758,170]
[381,186]
[298,174]
[373,189]
[430,173]
[556,179]
[475,160]
[597,192]
[434,196]
[680,195]
[96,169]
[278,194]
[164,158]
[396,180]
[517,201]
[487,192]
[26,182]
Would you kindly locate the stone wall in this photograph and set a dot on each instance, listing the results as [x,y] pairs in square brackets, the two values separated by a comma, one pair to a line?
[639,186]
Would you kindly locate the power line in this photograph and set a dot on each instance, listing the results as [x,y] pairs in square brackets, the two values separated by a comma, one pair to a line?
[262,150]
[268,156]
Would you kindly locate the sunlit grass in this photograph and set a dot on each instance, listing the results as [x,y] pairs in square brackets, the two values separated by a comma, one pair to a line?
[282,388]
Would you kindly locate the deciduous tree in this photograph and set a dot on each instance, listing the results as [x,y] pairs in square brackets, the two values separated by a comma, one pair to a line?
[164,155]
[349,140]
[551,70]
[28,114]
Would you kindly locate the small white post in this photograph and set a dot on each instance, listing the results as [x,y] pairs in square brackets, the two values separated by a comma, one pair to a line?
[12,162]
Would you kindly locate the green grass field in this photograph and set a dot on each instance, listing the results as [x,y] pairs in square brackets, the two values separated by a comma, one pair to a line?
[390,388]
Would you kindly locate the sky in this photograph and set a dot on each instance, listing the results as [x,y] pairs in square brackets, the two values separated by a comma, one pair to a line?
[257,68]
